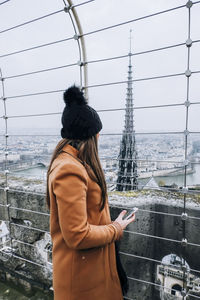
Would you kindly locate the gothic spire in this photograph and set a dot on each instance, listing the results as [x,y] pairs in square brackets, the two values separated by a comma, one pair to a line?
[127,173]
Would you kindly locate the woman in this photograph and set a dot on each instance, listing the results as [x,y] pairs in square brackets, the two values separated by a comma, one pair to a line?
[83,236]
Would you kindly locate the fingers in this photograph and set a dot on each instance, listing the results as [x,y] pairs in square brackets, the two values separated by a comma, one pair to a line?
[130,220]
[124,222]
[122,214]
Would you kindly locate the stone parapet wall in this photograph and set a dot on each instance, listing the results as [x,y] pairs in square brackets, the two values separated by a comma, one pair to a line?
[147,223]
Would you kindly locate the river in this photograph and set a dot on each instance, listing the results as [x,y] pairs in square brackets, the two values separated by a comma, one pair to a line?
[192,179]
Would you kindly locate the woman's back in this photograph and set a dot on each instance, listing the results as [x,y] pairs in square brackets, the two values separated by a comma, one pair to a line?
[83,236]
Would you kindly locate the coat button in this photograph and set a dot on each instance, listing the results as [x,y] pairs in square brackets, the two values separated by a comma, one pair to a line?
[83,257]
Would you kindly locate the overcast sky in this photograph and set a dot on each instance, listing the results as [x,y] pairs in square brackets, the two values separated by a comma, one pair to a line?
[159,31]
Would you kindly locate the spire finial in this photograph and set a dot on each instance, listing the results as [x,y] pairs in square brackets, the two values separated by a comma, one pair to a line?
[130,39]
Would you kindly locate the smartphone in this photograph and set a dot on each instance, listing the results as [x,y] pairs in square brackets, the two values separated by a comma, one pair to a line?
[133,211]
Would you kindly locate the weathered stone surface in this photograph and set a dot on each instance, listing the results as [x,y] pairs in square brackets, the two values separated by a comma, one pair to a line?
[147,223]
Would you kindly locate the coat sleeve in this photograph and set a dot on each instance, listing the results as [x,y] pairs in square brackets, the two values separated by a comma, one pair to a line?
[70,189]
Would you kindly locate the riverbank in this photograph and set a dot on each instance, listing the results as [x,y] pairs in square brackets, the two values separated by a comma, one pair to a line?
[26,179]
[166,173]
[40,171]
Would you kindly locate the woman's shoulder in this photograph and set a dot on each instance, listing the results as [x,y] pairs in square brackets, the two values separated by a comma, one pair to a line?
[67,164]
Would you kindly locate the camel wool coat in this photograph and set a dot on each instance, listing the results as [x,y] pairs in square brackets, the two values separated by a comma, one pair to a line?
[83,254]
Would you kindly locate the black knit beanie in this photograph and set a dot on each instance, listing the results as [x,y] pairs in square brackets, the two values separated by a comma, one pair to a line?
[80,121]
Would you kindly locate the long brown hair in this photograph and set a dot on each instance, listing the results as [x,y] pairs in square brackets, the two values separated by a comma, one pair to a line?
[88,154]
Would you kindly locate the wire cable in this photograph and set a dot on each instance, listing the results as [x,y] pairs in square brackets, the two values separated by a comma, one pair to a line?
[101,60]
[94,31]
[145,133]
[196,2]
[108,158]
[133,20]
[146,210]
[157,285]
[136,53]
[157,189]
[28,244]
[126,231]
[34,115]
[152,260]
[106,134]
[35,94]
[42,17]
[99,85]
[121,253]
[26,210]
[29,227]
[31,21]
[26,260]
[80,4]
[144,107]
[160,238]
[30,211]
[4,2]
[194,296]
[110,204]
[135,80]
[22,191]
[40,71]
[36,47]
[102,110]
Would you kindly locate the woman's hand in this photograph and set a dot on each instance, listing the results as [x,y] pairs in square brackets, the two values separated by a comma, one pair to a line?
[124,222]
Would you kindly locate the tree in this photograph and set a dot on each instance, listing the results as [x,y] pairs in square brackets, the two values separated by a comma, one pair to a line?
[161,183]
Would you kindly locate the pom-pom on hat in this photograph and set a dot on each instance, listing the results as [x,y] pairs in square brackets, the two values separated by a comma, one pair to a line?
[80,121]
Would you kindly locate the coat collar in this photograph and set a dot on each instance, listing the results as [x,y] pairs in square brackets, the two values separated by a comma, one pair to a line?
[71,150]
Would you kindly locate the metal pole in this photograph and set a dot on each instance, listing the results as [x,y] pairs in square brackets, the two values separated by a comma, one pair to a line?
[83,48]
